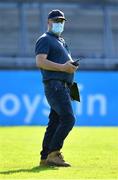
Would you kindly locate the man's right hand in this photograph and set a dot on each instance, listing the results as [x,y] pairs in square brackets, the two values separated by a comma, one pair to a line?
[69,68]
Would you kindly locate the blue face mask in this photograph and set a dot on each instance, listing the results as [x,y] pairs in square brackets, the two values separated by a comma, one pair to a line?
[57,28]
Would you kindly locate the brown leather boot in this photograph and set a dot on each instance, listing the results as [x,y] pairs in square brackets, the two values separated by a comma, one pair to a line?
[43,162]
[55,158]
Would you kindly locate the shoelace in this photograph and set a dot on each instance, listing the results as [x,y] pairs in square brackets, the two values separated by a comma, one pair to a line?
[60,156]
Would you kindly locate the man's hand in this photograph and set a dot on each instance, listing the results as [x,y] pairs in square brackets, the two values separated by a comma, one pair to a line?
[68,67]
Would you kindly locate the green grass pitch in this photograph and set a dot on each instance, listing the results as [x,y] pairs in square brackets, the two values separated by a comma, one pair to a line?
[92,152]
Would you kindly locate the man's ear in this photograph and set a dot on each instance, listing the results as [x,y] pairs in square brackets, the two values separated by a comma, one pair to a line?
[50,21]
[50,24]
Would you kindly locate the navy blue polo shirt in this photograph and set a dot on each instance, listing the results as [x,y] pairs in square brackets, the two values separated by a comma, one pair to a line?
[58,52]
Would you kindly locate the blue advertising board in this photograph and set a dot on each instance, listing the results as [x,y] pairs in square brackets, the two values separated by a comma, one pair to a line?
[22,100]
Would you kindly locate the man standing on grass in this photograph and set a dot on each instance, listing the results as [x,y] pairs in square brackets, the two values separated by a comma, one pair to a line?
[54,60]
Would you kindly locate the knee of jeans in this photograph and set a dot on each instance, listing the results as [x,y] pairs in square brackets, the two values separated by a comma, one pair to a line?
[69,119]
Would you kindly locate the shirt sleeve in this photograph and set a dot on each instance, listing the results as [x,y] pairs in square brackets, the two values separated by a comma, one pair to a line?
[42,46]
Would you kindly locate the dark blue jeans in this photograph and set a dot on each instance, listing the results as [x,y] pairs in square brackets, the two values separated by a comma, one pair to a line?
[61,117]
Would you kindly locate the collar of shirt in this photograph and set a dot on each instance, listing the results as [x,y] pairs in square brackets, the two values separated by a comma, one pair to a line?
[56,36]
[52,34]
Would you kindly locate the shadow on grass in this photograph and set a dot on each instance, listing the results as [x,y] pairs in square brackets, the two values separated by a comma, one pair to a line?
[36,169]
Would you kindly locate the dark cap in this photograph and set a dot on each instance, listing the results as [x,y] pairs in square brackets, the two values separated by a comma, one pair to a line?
[56,14]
